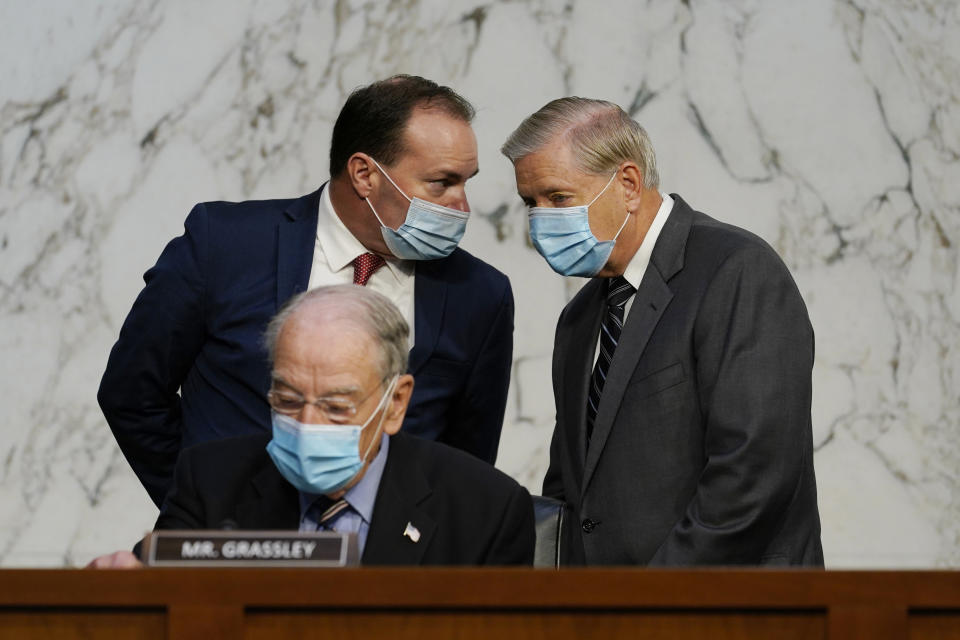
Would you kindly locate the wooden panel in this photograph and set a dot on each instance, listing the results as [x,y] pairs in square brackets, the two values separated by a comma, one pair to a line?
[876,622]
[935,625]
[467,625]
[203,622]
[526,589]
[60,624]
[481,602]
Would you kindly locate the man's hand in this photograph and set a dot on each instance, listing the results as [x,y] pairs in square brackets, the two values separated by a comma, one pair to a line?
[116,560]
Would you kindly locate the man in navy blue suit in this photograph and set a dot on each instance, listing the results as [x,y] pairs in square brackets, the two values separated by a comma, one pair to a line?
[390,219]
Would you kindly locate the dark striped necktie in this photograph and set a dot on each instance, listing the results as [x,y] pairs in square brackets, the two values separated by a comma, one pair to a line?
[618,292]
[330,512]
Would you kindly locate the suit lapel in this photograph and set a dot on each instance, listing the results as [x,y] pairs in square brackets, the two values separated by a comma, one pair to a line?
[296,238]
[429,301]
[271,503]
[403,488]
[651,300]
[576,353]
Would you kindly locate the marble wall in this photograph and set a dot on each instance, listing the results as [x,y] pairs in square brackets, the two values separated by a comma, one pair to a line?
[829,127]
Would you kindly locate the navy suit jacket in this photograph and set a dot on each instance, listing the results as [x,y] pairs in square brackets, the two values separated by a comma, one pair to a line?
[196,328]
[467,512]
[702,448]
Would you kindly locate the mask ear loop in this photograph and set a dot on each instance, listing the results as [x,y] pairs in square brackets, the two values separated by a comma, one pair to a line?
[375,214]
[387,176]
[383,415]
[370,204]
[609,182]
[626,219]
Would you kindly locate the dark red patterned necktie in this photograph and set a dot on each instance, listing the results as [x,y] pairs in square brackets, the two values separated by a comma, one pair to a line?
[363,267]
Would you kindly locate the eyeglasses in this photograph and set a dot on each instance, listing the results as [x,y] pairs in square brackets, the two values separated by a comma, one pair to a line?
[335,409]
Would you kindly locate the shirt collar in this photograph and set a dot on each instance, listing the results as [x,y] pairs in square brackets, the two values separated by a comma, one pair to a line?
[361,496]
[641,259]
[339,246]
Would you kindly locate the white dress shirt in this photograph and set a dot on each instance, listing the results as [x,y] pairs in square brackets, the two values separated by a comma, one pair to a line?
[638,264]
[334,251]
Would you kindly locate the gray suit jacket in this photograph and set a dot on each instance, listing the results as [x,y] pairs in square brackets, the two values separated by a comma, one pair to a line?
[702,447]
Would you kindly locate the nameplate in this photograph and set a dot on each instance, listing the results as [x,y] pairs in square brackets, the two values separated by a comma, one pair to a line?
[215,548]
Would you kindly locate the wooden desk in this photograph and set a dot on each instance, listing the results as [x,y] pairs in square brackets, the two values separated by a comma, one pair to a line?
[503,604]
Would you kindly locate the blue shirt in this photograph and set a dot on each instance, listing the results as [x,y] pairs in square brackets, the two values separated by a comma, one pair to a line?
[360,497]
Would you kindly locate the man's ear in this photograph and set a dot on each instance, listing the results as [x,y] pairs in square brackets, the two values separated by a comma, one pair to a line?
[397,405]
[362,173]
[631,178]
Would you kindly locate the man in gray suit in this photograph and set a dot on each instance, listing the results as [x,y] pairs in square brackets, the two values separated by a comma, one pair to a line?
[681,370]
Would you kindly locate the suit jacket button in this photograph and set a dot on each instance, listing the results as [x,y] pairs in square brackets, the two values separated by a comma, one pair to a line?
[587,525]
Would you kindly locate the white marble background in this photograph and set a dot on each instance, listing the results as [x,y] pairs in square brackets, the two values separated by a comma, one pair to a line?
[829,127]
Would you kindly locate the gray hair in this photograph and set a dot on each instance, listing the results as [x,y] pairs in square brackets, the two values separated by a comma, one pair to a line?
[600,136]
[373,311]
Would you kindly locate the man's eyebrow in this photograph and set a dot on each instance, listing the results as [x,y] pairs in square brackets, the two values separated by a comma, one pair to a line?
[340,391]
[546,191]
[456,176]
[276,381]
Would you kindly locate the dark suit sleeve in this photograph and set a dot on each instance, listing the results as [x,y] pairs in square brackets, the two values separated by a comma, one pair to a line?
[477,419]
[553,480]
[754,350]
[158,343]
[183,507]
[515,538]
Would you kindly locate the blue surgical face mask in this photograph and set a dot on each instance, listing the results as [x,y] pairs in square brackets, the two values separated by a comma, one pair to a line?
[429,231]
[562,236]
[321,458]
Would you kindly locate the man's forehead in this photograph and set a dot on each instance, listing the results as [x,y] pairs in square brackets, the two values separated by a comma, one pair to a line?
[427,116]
[325,337]
[331,386]
[549,167]
[435,139]
[346,374]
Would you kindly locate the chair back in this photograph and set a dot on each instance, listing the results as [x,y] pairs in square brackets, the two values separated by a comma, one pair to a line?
[549,517]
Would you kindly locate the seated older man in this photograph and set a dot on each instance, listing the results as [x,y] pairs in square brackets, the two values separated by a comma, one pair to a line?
[336,456]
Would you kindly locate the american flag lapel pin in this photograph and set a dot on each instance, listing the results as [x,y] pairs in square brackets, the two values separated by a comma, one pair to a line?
[412,532]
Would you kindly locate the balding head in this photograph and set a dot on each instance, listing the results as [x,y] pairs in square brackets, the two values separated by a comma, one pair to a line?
[350,307]
[338,356]
[599,135]
[374,117]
